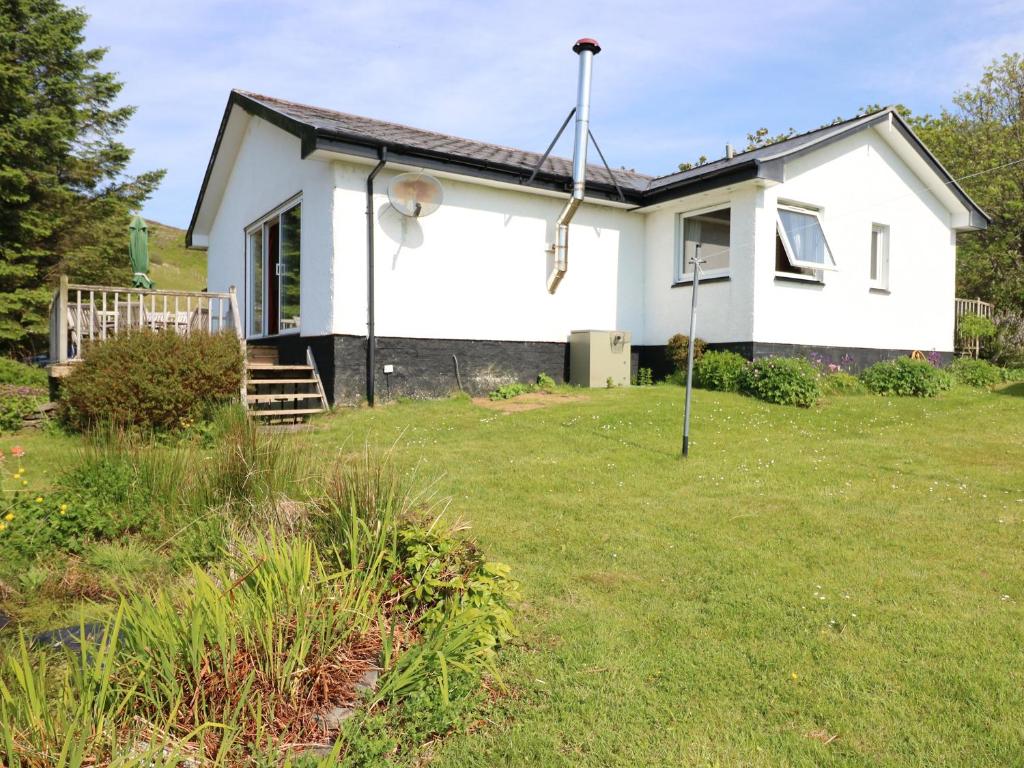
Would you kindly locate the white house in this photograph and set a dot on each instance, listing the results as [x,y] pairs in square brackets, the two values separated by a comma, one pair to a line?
[839,242]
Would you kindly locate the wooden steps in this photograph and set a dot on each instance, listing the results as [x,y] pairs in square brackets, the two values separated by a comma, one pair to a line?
[275,367]
[283,396]
[278,394]
[261,382]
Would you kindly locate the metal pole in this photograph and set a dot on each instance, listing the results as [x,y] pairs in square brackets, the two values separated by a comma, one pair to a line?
[696,261]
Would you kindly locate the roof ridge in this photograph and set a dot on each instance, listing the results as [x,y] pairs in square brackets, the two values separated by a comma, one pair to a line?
[453,137]
[781,142]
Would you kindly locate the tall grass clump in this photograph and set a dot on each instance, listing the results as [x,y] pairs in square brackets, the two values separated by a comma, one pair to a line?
[263,643]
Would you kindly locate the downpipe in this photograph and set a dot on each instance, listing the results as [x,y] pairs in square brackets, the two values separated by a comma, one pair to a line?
[371,292]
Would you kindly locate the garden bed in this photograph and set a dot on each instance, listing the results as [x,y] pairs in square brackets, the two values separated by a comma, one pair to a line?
[235,602]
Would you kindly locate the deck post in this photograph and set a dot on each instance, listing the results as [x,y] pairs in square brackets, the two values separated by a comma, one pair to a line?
[236,321]
[62,320]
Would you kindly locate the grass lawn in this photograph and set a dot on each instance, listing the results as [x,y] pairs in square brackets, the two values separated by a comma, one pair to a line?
[853,570]
[834,586]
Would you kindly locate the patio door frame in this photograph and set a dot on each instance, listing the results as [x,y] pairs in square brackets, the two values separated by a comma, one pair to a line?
[271,278]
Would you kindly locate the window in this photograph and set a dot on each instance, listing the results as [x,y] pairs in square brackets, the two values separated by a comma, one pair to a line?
[274,260]
[288,268]
[711,230]
[880,256]
[801,248]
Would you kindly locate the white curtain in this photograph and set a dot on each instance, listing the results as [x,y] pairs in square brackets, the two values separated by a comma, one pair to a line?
[803,230]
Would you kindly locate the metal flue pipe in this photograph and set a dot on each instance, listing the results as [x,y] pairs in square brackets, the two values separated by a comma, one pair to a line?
[586,48]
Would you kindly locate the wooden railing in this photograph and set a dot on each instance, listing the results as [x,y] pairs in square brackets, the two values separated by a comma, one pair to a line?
[84,314]
[970,346]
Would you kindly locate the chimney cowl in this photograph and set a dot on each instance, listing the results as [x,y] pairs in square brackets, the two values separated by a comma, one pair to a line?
[586,44]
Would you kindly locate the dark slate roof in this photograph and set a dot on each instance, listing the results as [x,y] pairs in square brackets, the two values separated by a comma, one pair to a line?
[328,122]
[319,128]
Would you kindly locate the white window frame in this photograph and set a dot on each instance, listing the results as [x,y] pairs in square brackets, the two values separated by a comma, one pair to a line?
[881,279]
[788,248]
[681,276]
[260,224]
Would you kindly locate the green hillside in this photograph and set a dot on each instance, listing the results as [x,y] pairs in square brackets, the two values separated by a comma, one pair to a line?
[172,266]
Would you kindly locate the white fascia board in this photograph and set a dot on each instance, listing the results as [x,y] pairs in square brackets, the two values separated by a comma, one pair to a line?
[328,155]
[223,164]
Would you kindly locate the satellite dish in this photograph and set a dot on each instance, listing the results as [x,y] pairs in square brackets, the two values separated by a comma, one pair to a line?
[415,194]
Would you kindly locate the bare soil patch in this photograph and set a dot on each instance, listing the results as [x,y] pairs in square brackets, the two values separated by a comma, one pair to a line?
[528,402]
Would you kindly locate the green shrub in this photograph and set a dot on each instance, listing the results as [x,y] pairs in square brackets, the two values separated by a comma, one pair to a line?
[842,383]
[154,380]
[508,391]
[13,372]
[975,373]
[720,371]
[906,377]
[976,327]
[644,378]
[678,350]
[545,382]
[1013,374]
[17,402]
[782,380]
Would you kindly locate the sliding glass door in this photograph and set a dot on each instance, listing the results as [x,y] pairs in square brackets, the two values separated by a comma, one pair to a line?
[288,268]
[256,288]
[274,266]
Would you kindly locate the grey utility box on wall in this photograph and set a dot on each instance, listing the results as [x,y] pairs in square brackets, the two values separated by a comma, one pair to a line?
[597,356]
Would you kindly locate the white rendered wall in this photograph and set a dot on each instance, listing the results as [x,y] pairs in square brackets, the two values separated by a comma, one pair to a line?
[267,171]
[856,182]
[478,267]
[725,311]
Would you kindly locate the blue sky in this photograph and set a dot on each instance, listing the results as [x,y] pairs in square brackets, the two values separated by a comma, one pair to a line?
[674,80]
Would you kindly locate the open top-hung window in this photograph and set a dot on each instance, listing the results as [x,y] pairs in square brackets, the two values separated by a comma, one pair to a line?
[711,230]
[801,246]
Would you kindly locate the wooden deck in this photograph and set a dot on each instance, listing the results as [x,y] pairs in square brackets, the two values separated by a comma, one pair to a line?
[81,315]
[85,314]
